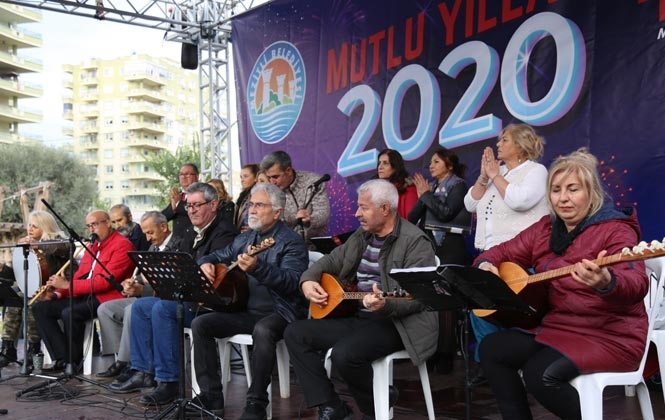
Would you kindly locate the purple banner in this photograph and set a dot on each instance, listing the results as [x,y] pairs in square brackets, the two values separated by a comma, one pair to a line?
[333,82]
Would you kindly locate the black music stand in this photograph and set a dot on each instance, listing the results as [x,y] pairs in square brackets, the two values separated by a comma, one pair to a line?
[176,276]
[459,287]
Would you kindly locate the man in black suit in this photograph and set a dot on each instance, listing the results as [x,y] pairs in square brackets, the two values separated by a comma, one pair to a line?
[176,210]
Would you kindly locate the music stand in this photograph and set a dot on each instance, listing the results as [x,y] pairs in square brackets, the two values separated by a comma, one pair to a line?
[176,276]
[459,287]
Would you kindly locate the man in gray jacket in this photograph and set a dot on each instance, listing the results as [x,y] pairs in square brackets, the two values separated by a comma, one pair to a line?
[307,208]
[376,327]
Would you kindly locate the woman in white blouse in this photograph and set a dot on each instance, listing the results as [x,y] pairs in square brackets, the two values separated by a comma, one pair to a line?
[508,196]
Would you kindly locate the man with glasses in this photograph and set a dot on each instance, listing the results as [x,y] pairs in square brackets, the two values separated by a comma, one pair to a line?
[91,287]
[307,209]
[274,301]
[176,211]
[153,342]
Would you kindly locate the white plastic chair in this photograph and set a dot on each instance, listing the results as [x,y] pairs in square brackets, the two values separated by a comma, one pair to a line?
[88,340]
[195,385]
[383,379]
[658,336]
[590,387]
[244,341]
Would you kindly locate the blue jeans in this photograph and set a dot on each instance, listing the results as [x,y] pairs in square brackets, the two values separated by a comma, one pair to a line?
[154,342]
[481,329]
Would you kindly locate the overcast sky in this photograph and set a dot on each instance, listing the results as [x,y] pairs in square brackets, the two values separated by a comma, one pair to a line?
[71,39]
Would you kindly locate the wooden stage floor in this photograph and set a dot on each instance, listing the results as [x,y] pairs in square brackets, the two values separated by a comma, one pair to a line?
[93,401]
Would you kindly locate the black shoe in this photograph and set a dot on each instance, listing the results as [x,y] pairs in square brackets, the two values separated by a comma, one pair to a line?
[478,380]
[113,370]
[7,353]
[341,412]
[57,366]
[137,381]
[253,411]
[127,372]
[163,394]
[213,405]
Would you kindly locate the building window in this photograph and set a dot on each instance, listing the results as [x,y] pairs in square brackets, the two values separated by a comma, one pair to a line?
[125,168]
[125,185]
[108,186]
[108,137]
[108,154]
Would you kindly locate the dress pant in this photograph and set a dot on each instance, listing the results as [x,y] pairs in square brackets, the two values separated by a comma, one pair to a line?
[154,337]
[205,329]
[48,313]
[114,326]
[356,341]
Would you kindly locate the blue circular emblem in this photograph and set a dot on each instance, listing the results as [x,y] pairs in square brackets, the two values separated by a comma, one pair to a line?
[276,92]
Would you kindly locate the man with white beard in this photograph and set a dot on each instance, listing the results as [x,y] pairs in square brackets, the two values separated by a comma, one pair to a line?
[274,300]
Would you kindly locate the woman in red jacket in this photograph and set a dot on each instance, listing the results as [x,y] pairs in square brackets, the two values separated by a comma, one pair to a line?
[391,168]
[596,320]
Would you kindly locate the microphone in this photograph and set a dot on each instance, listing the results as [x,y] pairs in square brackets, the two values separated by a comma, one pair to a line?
[324,178]
[93,237]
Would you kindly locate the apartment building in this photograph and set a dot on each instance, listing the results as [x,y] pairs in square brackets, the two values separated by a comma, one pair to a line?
[123,110]
[16,41]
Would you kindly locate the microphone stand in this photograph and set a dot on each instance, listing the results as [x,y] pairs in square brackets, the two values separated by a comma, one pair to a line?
[70,371]
[314,190]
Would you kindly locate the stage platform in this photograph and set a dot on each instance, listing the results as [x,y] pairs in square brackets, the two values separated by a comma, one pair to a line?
[94,402]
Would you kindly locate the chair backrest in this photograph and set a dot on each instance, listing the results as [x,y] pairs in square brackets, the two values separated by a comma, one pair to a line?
[654,298]
[314,256]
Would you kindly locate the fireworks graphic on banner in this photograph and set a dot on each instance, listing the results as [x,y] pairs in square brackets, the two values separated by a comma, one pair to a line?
[342,208]
[613,178]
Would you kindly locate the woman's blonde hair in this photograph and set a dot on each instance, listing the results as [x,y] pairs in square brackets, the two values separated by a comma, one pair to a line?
[585,166]
[46,222]
[526,138]
[221,190]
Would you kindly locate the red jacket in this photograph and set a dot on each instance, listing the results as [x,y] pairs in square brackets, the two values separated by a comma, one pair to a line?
[597,331]
[407,199]
[113,255]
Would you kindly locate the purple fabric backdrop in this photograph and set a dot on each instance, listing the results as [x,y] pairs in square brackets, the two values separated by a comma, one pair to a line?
[333,82]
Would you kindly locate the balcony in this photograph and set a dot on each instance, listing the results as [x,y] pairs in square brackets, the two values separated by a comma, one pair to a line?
[146,108]
[9,114]
[141,175]
[10,34]
[131,191]
[146,79]
[151,143]
[12,138]
[11,86]
[20,14]
[12,63]
[146,94]
[150,127]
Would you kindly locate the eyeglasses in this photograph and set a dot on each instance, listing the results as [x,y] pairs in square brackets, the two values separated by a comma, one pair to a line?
[196,205]
[187,174]
[94,225]
[258,205]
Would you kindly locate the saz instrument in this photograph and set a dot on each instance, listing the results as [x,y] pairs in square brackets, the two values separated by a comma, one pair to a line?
[232,284]
[519,281]
[337,297]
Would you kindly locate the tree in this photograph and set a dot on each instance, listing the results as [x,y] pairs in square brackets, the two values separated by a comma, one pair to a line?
[73,191]
[168,166]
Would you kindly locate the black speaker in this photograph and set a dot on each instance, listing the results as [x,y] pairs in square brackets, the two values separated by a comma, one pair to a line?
[189,56]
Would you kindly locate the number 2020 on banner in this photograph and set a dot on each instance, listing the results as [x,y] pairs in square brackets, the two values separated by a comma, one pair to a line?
[463,125]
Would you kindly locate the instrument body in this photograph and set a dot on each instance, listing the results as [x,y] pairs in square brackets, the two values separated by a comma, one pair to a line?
[341,302]
[533,288]
[37,269]
[232,285]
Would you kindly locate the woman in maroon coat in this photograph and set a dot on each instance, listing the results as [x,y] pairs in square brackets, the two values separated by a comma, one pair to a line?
[595,321]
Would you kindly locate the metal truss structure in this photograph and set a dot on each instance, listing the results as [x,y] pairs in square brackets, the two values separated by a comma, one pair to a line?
[204,23]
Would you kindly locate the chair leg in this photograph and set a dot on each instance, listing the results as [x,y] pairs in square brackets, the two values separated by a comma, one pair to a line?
[89,334]
[427,390]
[381,383]
[645,401]
[196,390]
[283,370]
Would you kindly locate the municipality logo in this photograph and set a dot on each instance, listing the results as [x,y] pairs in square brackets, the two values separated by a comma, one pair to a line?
[276,92]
